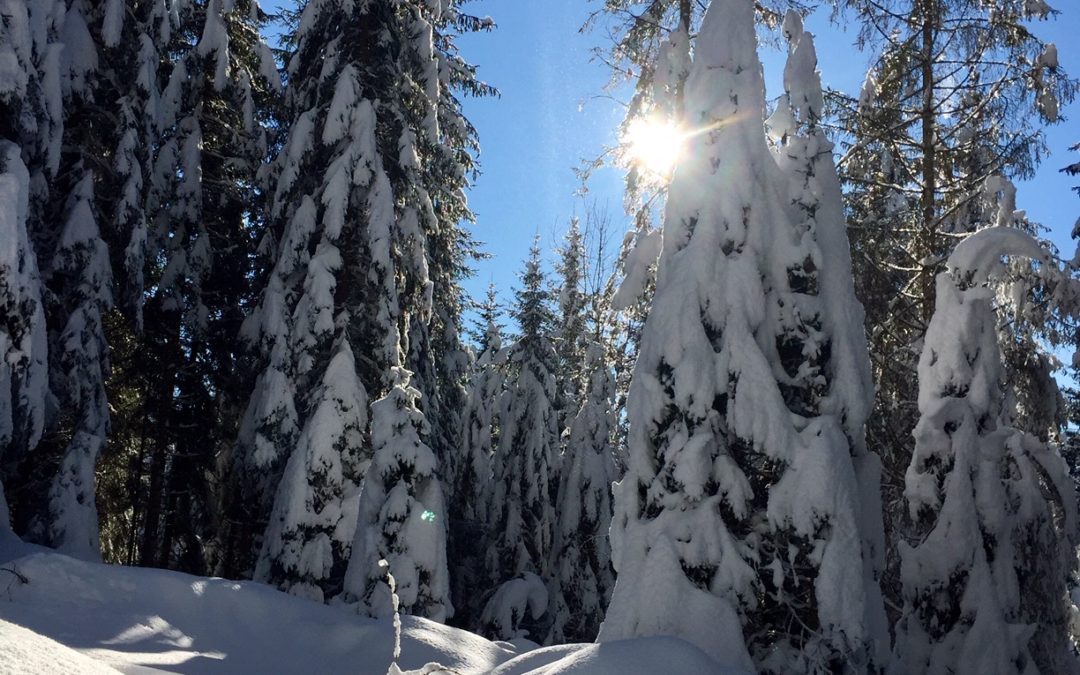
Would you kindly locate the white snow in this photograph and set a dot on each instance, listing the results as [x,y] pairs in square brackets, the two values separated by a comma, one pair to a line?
[665,655]
[79,617]
[516,599]
[24,651]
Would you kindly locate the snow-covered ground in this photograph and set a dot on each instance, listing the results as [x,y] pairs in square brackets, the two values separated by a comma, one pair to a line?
[62,615]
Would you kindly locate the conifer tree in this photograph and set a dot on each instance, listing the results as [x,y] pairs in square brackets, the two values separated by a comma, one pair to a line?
[582,550]
[23,340]
[31,121]
[570,339]
[469,512]
[525,463]
[445,144]
[215,108]
[402,515]
[984,587]
[740,508]
[958,92]
[79,276]
[821,342]
[334,205]
[354,209]
[79,365]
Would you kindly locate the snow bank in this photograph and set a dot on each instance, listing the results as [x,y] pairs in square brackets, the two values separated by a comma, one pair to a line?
[144,620]
[24,651]
[667,655]
[72,616]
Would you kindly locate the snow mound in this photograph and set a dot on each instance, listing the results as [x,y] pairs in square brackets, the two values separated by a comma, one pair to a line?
[145,621]
[667,655]
[24,651]
[62,615]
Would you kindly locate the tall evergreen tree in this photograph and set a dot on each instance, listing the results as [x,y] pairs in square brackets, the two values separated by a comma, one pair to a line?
[355,207]
[469,511]
[402,515]
[984,587]
[582,551]
[31,120]
[445,145]
[957,92]
[23,341]
[737,525]
[205,197]
[332,288]
[570,338]
[79,277]
[526,461]
[821,340]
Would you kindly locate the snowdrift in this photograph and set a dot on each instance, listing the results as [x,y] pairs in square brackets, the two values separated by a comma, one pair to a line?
[62,615]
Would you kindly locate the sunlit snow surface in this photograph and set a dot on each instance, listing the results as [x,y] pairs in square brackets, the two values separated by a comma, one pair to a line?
[79,617]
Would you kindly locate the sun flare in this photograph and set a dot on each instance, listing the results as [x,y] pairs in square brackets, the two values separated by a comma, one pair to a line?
[655,146]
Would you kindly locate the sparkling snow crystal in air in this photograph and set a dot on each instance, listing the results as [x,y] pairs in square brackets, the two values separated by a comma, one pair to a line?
[737,526]
[995,506]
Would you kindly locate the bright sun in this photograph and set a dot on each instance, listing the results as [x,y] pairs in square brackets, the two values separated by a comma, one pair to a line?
[655,145]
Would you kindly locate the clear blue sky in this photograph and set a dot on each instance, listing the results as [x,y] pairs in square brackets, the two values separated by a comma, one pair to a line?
[551,115]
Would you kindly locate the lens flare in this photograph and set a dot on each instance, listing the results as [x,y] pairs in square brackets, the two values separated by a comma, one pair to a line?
[654,145]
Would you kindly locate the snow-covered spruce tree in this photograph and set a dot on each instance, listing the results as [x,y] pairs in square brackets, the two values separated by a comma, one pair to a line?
[402,517]
[320,300]
[445,143]
[819,316]
[522,511]
[108,99]
[31,119]
[79,277]
[469,512]
[351,271]
[569,336]
[958,91]
[78,363]
[984,588]
[31,100]
[737,526]
[204,196]
[23,339]
[582,551]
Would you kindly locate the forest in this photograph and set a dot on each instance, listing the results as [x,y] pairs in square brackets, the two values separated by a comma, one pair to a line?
[806,402]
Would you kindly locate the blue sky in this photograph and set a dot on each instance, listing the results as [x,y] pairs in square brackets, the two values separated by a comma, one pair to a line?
[552,113]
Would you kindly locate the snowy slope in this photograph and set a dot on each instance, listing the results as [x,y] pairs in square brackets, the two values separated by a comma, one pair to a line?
[24,651]
[78,617]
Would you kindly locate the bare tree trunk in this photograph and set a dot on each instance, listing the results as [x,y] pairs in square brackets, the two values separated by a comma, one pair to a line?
[926,249]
